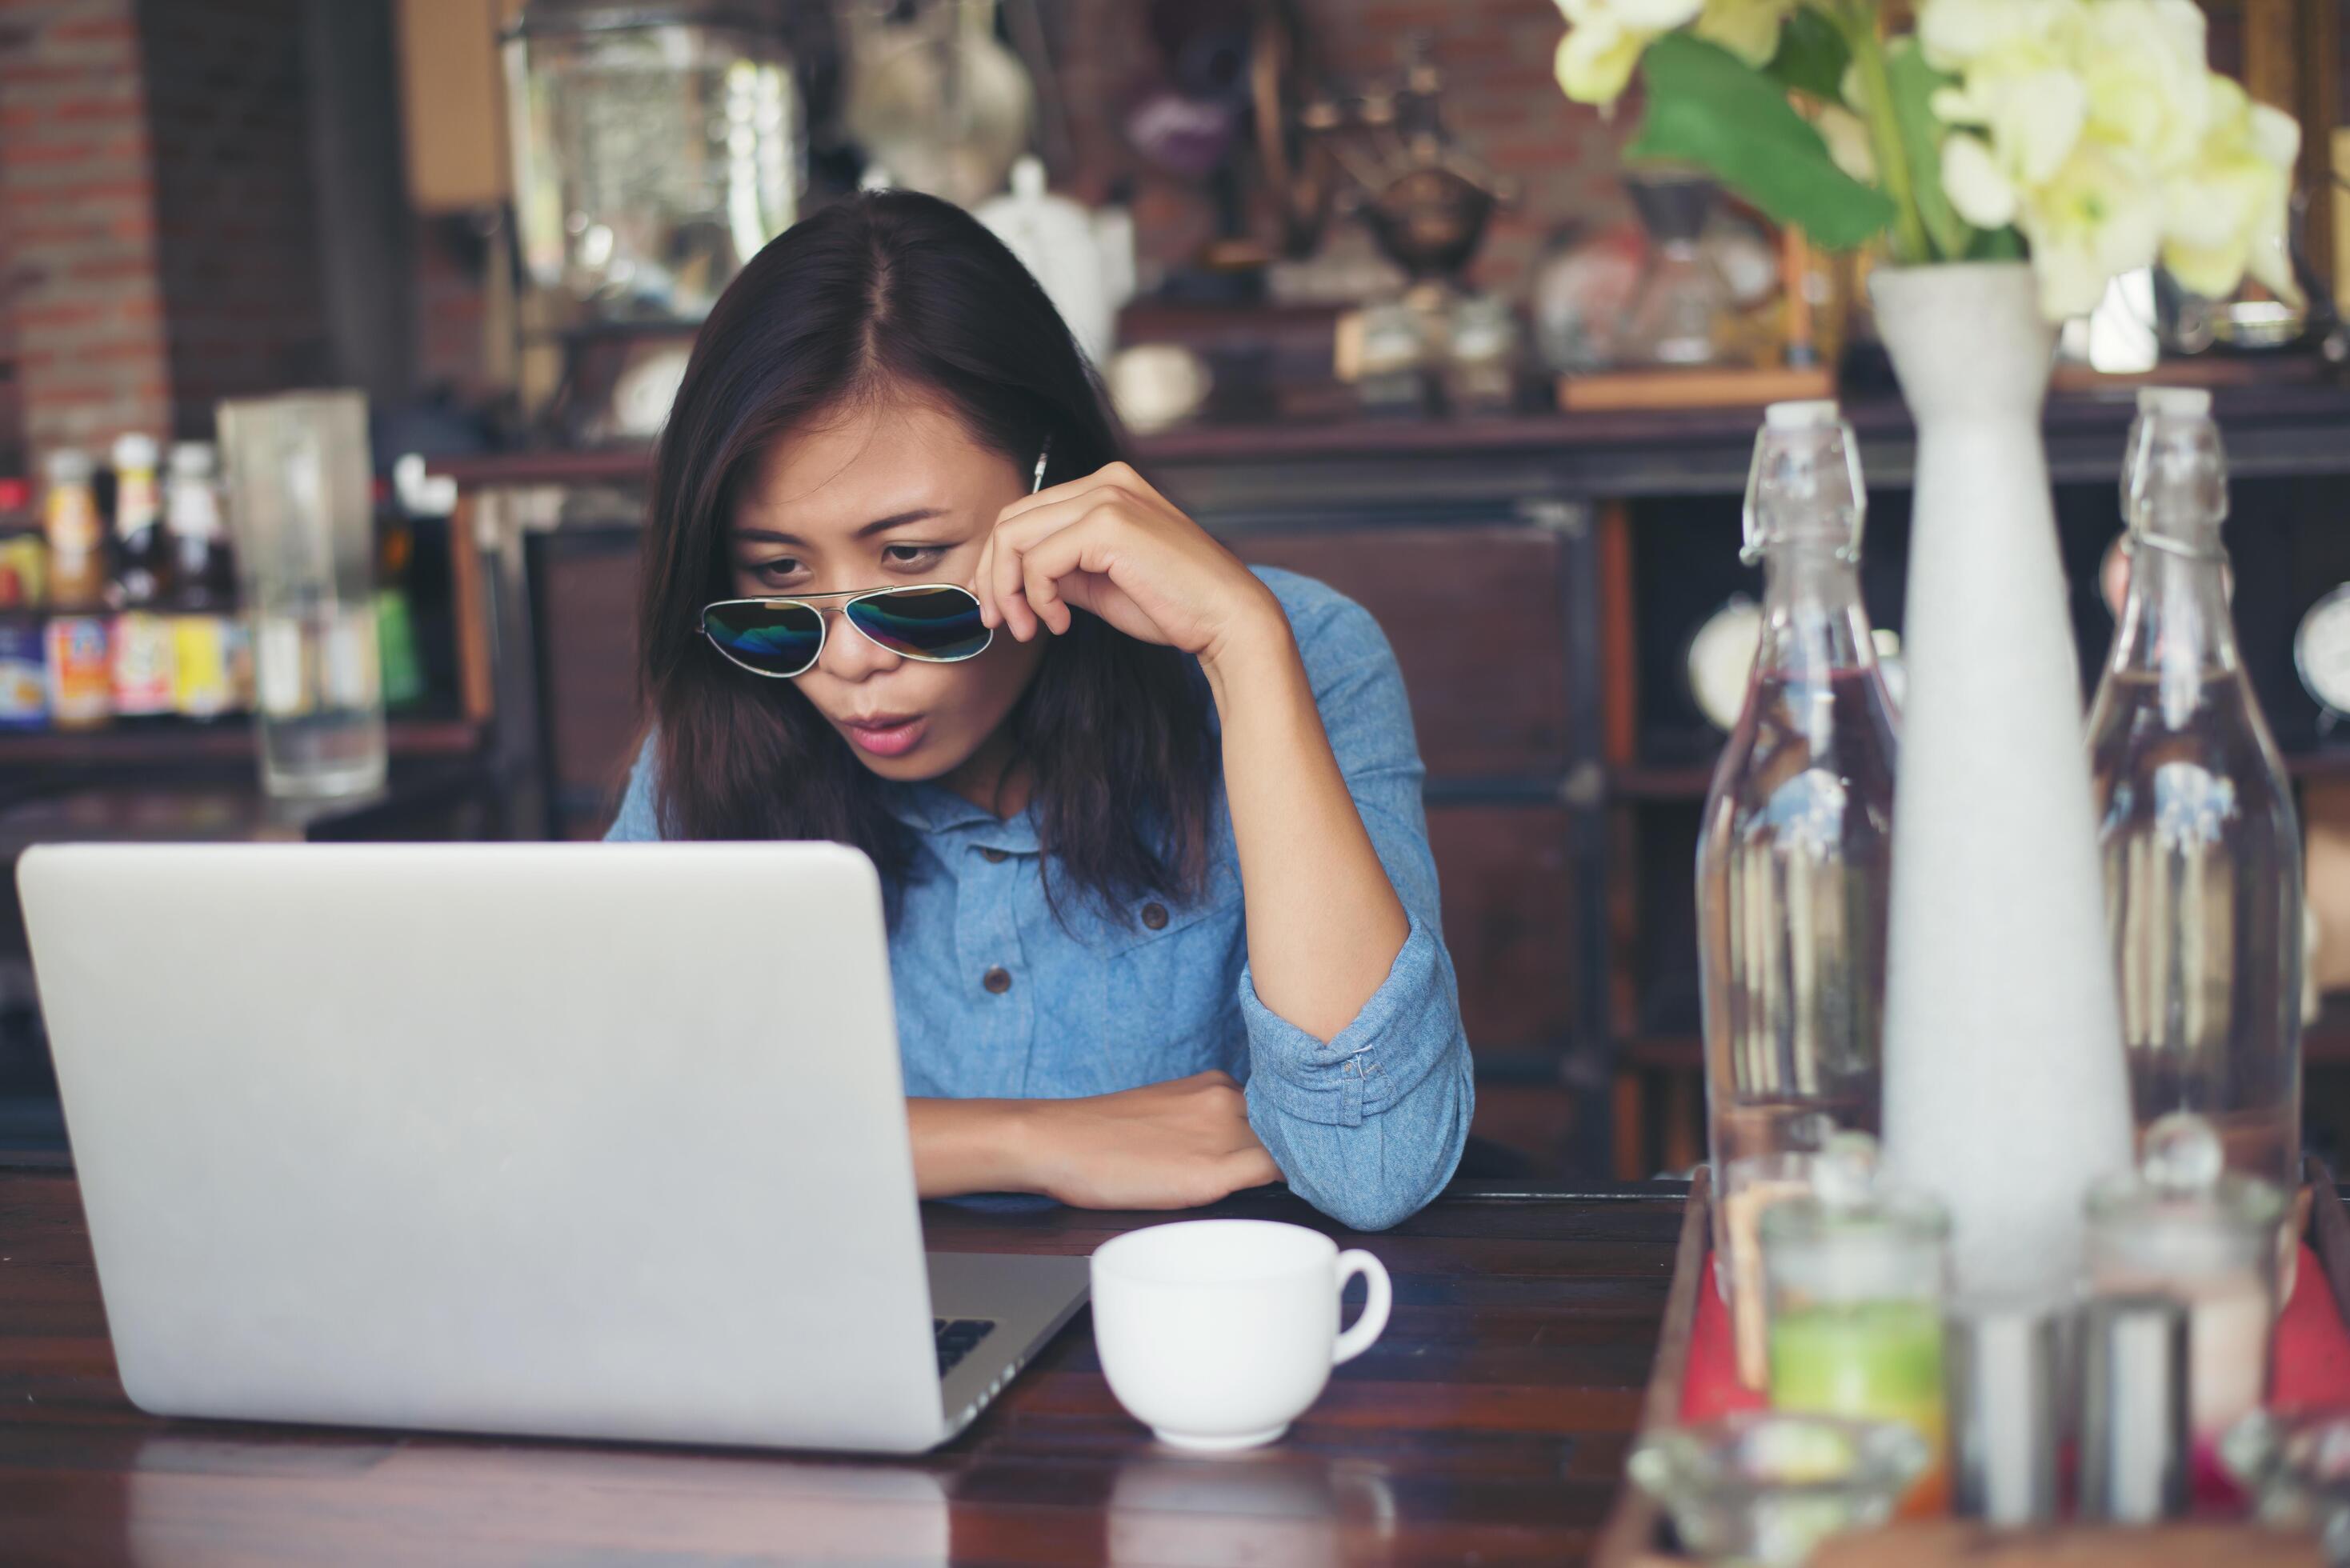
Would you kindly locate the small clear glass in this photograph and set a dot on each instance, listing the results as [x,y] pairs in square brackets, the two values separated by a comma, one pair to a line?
[2200,840]
[1796,853]
[1857,1281]
[300,506]
[2296,1470]
[2184,1226]
[1768,1487]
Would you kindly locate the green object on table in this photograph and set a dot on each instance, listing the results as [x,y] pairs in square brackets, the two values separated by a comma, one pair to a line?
[1881,1358]
[404,673]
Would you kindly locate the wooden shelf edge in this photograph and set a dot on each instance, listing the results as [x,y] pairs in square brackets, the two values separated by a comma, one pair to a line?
[227,741]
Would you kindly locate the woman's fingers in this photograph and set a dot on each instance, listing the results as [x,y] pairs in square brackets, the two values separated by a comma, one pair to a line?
[1018,592]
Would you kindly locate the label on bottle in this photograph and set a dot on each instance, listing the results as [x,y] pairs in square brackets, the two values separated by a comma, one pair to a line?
[81,680]
[281,667]
[136,506]
[202,684]
[70,518]
[142,666]
[348,671]
[194,511]
[24,676]
[24,571]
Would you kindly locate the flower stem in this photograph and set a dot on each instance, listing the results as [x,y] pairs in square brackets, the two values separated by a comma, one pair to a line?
[1859,22]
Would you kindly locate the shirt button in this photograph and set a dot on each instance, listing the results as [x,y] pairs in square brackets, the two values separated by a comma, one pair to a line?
[1155,916]
[993,856]
[998,981]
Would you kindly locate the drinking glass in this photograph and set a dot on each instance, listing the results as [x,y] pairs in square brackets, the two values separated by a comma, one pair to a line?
[300,494]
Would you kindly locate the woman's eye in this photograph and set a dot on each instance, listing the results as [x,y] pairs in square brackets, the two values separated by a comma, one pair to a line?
[914,557]
[776,571]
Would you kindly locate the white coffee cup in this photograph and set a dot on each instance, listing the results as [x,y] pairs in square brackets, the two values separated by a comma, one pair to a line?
[1217,1333]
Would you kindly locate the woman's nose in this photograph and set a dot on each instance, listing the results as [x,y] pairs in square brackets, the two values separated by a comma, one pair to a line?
[850,655]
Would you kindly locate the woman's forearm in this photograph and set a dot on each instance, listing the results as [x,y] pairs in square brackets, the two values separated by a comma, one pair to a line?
[1324,921]
[968,1146]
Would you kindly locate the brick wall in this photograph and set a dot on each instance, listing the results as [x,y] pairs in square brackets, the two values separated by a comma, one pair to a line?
[158,235]
[236,219]
[78,232]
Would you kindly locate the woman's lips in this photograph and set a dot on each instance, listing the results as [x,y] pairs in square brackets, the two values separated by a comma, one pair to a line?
[889,736]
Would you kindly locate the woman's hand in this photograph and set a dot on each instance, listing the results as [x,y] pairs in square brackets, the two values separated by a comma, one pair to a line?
[1176,1144]
[1165,1145]
[1111,545]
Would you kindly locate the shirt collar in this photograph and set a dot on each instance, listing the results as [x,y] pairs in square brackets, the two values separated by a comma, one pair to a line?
[933,808]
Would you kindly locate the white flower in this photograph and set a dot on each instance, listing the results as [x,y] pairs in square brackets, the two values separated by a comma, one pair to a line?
[1955,34]
[2034,116]
[1604,40]
[2101,216]
[1747,28]
[1977,187]
[1849,142]
[2226,210]
[1595,58]
[2148,87]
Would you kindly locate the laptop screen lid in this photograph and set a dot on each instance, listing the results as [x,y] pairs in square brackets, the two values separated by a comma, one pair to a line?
[584,1140]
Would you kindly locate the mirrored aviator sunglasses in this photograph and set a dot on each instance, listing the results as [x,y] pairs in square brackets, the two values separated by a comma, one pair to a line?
[935,623]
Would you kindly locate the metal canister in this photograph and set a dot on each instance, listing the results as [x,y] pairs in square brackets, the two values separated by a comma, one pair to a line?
[2002,1364]
[2134,1406]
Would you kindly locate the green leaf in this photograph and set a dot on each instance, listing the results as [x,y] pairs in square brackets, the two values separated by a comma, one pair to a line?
[1914,83]
[1995,244]
[1710,108]
[1811,57]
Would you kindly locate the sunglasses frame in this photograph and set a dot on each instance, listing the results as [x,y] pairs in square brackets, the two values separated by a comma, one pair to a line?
[852,596]
[847,597]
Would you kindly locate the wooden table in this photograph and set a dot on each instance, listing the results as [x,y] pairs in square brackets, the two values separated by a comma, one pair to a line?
[1489,1425]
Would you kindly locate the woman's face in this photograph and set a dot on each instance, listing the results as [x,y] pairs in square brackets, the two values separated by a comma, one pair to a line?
[894,493]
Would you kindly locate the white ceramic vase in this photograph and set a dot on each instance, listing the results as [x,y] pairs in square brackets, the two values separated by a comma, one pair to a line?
[2005,1090]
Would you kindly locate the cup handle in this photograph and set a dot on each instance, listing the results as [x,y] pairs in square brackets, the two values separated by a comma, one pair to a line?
[1358,1339]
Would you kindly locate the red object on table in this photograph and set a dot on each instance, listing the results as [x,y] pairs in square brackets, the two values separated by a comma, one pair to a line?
[2311,1357]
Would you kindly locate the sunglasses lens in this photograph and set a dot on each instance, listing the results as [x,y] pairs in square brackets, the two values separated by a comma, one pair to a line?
[937,624]
[775,639]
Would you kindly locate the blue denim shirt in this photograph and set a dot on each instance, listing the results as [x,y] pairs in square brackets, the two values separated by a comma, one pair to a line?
[1366,1127]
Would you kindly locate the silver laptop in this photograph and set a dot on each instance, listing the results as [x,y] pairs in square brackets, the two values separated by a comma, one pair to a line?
[581,1140]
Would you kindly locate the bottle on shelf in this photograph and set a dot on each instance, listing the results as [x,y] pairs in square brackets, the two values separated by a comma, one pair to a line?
[206,629]
[2196,820]
[1795,856]
[142,648]
[74,641]
[24,562]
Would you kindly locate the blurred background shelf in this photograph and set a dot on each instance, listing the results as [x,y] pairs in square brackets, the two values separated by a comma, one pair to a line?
[228,741]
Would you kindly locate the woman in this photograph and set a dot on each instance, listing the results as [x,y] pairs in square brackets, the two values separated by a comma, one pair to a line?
[1150,823]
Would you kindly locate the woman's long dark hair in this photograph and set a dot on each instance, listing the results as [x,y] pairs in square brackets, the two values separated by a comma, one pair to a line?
[894,293]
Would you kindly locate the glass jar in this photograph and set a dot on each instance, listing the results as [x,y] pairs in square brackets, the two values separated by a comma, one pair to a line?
[2184,1227]
[1856,1281]
[657,148]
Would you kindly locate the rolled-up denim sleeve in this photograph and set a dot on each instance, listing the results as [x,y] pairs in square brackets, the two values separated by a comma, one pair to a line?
[1368,1125]
[639,818]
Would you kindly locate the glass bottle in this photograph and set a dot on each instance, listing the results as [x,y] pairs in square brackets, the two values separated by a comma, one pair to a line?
[2196,821]
[1795,857]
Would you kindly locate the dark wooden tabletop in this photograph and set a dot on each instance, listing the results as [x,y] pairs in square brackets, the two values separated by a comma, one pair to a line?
[1489,1425]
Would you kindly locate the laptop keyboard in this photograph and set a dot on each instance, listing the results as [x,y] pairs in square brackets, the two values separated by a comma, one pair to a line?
[957,1336]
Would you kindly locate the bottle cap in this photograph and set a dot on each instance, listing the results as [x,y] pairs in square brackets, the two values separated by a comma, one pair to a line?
[134,450]
[68,466]
[1801,415]
[1804,482]
[2190,400]
[193,459]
